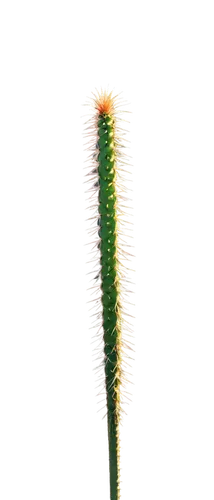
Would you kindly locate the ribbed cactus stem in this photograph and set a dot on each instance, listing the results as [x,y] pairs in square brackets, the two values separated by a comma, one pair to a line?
[110,288]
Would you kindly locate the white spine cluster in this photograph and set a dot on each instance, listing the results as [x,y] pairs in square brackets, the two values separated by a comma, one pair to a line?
[94,292]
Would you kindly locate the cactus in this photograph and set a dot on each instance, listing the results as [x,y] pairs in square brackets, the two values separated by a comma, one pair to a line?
[111,268]
[110,284]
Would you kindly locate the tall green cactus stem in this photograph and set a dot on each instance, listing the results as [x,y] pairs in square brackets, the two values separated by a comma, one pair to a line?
[110,289]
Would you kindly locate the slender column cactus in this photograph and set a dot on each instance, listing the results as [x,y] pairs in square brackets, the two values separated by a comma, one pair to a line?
[106,150]
[110,287]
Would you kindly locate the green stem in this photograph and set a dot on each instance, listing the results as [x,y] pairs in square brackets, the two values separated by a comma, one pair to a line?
[110,289]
